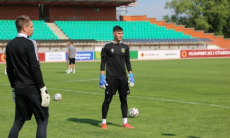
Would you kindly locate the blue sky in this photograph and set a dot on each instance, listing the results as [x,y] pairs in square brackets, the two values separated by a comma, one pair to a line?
[151,8]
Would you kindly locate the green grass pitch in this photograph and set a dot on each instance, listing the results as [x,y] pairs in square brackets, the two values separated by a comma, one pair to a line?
[176,98]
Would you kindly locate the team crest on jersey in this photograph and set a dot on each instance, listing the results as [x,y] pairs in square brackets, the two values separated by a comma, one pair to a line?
[112,50]
[123,50]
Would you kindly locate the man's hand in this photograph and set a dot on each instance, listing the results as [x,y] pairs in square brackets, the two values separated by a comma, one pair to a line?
[131,80]
[102,82]
[45,97]
[13,93]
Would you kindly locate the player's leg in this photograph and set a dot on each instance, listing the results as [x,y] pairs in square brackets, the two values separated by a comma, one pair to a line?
[68,72]
[5,70]
[41,114]
[22,113]
[105,106]
[73,66]
[41,128]
[109,92]
[123,89]
[67,65]
[105,109]
[16,128]
[124,107]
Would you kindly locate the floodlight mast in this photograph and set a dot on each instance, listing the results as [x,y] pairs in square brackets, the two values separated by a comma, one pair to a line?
[122,10]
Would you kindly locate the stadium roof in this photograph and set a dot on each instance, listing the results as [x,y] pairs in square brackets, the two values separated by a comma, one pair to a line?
[71,2]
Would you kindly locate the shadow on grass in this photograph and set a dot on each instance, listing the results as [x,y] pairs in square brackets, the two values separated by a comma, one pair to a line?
[89,121]
[62,72]
[192,137]
[168,134]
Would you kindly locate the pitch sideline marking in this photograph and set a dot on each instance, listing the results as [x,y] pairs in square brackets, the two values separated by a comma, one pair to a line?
[73,81]
[157,99]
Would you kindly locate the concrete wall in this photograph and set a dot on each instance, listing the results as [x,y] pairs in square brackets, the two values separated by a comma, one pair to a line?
[80,13]
[11,12]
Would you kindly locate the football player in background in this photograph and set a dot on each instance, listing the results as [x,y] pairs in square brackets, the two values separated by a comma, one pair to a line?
[71,53]
[115,58]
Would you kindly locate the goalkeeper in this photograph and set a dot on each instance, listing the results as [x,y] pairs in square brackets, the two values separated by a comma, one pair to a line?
[24,73]
[115,56]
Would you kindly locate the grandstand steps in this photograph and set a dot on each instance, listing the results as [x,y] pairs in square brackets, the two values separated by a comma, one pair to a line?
[216,40]
[57,31]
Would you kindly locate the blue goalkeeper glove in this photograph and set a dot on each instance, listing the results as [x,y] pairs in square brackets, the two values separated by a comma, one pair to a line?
[131,80]
[102,82]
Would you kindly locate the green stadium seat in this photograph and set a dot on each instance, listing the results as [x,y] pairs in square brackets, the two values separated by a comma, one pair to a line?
[41,30]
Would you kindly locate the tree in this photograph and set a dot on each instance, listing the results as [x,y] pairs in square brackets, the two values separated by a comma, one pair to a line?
[212,16]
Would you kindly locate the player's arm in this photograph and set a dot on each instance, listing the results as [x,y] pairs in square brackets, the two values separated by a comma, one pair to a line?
[67,54]
[129,68]
[74,52]
[102,82]
[37,74]
[10,70]
[35,65]
[11,74]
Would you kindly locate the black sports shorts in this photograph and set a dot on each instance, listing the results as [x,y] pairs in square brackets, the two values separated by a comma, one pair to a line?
[71,61]
[29,104]
[117,84]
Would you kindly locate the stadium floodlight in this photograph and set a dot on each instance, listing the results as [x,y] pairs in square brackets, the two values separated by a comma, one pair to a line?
[134,3]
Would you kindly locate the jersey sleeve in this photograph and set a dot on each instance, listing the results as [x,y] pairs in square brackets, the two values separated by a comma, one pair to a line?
[103,58]
[10,69]
[127,59]
[35,65]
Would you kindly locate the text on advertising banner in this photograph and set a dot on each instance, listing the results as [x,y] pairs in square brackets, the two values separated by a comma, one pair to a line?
[55,56]
[205,53]
[41,56]
[97,55]
[159,54]
[84,56]
[2,57]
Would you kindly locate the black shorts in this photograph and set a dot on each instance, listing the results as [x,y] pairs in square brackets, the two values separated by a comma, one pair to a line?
[117,84]
[26,105]
[71,61]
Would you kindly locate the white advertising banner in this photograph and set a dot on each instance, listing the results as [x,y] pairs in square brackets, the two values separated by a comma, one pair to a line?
[159,54]
[55,56]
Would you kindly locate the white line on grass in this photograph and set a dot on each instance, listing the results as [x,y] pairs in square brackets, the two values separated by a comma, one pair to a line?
[74,80]
[149,98]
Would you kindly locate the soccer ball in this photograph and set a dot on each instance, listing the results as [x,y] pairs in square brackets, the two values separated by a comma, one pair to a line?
[57,97]
[133,112]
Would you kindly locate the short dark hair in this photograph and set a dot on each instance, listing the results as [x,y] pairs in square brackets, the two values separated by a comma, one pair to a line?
[21,21]
[117,29]
[69,40]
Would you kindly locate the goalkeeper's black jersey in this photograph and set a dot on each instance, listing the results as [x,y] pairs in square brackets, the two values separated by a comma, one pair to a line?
[23,68]
[116,58]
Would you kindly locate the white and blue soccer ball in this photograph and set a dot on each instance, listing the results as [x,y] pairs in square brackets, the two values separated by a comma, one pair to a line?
[57,97]
[133,112]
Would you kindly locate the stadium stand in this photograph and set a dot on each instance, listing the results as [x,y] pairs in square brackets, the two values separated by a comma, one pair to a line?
[216,40]
[41,30]
[101,30]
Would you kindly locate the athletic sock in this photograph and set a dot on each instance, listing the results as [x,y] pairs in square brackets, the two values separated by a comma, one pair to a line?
[73,70]
[103,121]
[125,120]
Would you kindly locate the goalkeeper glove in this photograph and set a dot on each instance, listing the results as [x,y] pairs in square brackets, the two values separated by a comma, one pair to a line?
[45,97]
[131,80]
[102,82]
[14,96]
